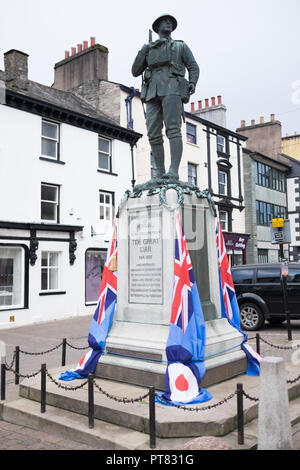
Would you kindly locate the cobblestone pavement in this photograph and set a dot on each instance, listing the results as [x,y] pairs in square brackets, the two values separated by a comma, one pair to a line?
[44,336]
[14,437]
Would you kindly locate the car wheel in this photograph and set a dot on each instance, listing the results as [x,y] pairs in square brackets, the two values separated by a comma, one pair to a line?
[251,317]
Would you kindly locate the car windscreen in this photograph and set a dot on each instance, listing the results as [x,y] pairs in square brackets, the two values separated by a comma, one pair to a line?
[268,275]
[242,276]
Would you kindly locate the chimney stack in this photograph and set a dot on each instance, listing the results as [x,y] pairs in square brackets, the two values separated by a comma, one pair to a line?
[16,68]
[214,112]
[84,64]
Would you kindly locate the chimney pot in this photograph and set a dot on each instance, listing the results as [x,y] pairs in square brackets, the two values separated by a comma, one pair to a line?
[200,104]
[219,99]
[272,117]
[213,101]
[261,120]
[252,122]
[67,54]
[192,107]
[243,123]
[206,103]
[79,47]
[93,41]
[85,44]
[73,50]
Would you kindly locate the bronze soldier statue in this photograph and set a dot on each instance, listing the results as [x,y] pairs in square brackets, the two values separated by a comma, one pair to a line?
[164,90]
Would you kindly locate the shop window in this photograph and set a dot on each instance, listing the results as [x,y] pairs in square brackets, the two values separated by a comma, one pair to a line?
[12,269]
[94,264]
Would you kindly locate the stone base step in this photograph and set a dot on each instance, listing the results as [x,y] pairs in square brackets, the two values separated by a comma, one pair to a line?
[171,422]
[73,426]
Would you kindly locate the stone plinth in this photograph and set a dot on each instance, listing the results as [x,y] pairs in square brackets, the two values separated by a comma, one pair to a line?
[139,333]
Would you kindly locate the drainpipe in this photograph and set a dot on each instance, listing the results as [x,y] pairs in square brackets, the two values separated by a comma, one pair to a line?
[128,102]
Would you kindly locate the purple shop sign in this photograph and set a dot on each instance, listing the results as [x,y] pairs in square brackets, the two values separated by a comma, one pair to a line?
[236,241]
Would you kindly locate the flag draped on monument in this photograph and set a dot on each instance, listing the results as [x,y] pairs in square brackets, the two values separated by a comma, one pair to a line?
[102,318]
[185,348]
[229,305]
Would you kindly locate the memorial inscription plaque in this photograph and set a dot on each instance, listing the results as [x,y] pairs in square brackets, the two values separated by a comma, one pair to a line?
[145,280]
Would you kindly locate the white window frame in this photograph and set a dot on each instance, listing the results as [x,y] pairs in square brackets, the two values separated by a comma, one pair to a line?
[221,183]
[220,143]
[224,220]
[193,175]
[55,203]
[50,268]
[108,154]
[191,137]
[44,137]
[18,290]
[106,205]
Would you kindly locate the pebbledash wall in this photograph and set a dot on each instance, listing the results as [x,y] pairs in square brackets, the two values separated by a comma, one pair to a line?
[26,293]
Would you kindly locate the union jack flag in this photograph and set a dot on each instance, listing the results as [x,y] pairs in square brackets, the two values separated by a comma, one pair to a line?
[183,280]
[185,349]
[227,285]
[229,304]
[102,318]
[108,287]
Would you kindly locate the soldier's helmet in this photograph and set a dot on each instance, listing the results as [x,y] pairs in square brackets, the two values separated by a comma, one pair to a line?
[156,23]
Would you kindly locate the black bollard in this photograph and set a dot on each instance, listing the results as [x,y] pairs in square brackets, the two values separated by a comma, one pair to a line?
[17,377]
[3,369]
[257,343]
[91,400]
[64,352]
[240,414]
[152,417]
[43,388]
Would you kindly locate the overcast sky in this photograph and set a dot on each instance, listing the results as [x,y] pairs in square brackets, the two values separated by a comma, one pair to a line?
[248,52]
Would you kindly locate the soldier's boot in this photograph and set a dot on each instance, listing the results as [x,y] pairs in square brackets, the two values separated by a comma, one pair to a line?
[176,154]
[159,159]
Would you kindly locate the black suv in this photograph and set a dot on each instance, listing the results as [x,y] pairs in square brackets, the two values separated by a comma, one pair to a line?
[259,293]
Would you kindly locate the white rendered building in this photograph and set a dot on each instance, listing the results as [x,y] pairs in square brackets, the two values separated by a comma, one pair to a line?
[64,167]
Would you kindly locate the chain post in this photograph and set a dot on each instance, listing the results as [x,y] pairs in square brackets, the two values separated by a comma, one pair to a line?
[91,400]
[3,385]
[43,388]
[17,354]
[240,413]
[258,343]
[152,417]
[64,352]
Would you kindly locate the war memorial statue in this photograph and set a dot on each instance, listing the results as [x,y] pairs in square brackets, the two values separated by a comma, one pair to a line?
[163,64]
